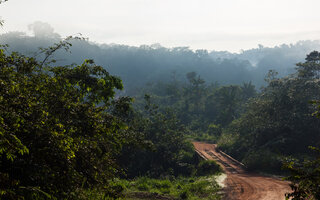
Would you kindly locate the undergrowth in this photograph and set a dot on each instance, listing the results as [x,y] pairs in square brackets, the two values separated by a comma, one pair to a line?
[203,187]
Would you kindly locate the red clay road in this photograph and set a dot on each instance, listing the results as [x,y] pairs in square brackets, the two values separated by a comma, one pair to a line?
[241,185]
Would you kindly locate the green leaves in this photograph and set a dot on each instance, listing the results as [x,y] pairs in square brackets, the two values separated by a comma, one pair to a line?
[305,177]
[279,121]
[56,126]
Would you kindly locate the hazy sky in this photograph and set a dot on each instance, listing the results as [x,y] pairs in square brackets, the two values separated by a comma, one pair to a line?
[200,24]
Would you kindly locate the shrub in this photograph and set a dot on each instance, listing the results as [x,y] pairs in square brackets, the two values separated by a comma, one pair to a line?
[208,167]
[263,160]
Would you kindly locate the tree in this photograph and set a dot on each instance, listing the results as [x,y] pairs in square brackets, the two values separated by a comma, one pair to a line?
[248,90]
[279,121]
[57,131]
[194,92]
[228,99]
[164,150]
[311,68]
[305,177]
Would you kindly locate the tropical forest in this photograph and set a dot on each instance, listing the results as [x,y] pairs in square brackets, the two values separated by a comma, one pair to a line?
[85,119]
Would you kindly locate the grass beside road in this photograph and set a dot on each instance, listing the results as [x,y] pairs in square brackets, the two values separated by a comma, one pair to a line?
[204,187]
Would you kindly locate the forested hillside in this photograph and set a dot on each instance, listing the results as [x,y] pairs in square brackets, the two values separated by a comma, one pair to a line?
[152,63]
[271,130]
[81,120]
[279,119]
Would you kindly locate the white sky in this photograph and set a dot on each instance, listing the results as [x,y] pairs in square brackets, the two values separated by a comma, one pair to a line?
[200,24]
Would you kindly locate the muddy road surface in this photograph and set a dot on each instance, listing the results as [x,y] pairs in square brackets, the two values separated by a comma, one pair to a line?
[241,185]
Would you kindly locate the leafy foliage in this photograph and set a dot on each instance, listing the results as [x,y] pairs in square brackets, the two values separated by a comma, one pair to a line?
[279,121]
[164,150]
[305,177]
[62,132]
[208,167]
[56,133]
[203,109]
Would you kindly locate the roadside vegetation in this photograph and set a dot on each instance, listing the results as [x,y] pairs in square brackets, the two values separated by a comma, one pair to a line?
[70,131]
[65,136]
[178,188]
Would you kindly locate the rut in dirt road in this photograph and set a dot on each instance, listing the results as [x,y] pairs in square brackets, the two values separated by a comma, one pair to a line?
[241,185]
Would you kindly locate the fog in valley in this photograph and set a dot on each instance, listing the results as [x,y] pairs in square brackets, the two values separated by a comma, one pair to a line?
[159,99]
[149,64]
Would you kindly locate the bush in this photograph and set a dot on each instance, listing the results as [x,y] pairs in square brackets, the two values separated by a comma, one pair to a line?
[166,184]
[208,167]
[184,194]
[214,129]
[263,160]
[143,187]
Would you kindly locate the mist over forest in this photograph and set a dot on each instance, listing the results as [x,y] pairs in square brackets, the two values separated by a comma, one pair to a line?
[86,120]
[149,64]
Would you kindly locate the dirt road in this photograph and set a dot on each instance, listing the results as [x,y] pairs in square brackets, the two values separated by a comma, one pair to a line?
[240,184]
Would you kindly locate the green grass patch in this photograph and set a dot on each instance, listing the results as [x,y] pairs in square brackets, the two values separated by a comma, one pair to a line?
[203,187]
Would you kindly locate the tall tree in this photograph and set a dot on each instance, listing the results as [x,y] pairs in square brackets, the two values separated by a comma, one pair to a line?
[56,130]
